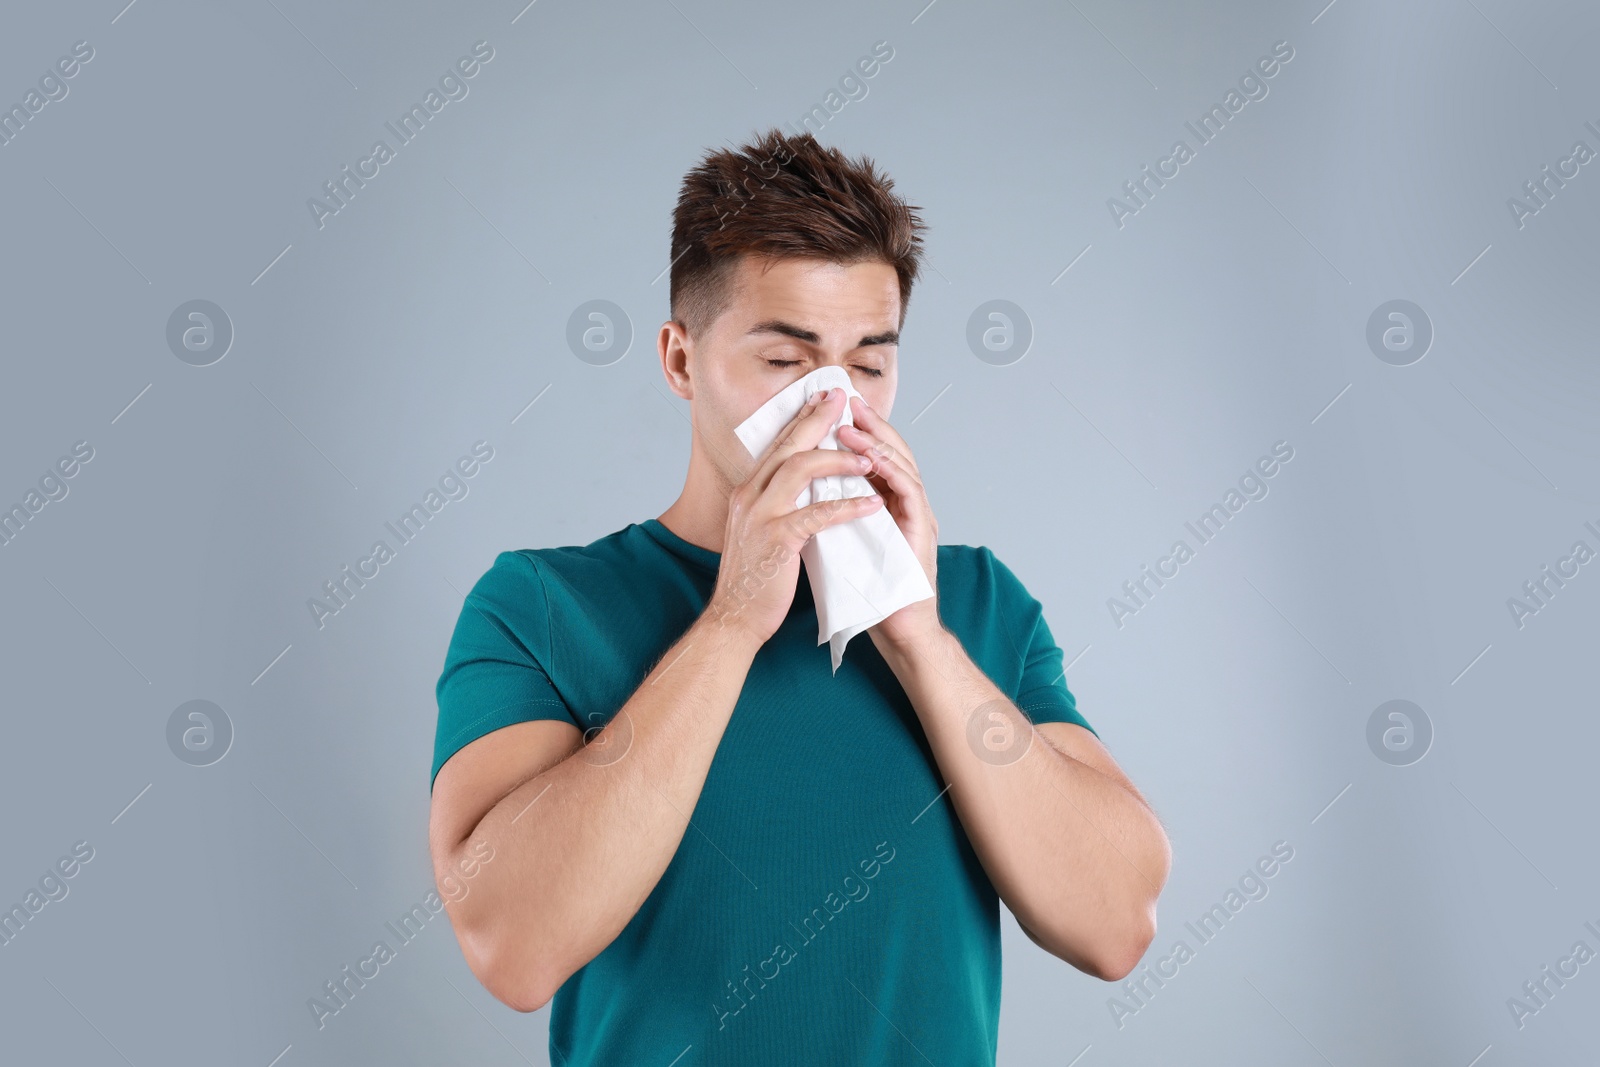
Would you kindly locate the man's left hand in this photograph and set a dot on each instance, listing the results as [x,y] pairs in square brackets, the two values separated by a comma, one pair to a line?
[895,477]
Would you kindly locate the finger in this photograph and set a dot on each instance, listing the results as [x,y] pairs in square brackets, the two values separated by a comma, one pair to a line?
[800,470]
[901,480]
[876,426]
[803,433]
[814,517]
[859,441]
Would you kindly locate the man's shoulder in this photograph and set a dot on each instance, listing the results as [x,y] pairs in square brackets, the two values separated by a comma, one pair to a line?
[963,555]
[975,575]
[612,552]
[966,575]
[967,563]
[607,547]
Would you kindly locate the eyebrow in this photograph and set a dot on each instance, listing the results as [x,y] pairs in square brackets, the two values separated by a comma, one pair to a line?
[888,337]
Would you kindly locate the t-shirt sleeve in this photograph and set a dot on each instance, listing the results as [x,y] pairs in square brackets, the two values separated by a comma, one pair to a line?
[494,670]
[1042,693]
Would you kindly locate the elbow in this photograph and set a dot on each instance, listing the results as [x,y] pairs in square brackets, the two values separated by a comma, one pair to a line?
[1121,952]
[1119,961]
[1111,956]
[522,998]
[1122,939]
[507,974]
[1120,955]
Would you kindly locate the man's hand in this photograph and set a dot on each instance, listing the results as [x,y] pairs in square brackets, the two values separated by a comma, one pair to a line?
[765,532]
[895,476]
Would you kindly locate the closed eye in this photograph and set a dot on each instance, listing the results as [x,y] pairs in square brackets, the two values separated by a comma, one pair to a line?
[791,362]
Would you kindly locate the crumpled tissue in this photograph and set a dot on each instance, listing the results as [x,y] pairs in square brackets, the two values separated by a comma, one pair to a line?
[861,571]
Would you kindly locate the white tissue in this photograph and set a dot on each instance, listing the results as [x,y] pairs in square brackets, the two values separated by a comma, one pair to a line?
[861,571]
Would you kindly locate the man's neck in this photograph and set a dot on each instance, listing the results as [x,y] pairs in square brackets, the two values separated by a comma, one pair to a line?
[700,514]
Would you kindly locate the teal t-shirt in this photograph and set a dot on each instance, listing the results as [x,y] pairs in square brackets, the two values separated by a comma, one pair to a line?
[825,905]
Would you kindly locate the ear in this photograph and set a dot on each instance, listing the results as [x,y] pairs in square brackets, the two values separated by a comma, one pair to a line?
[675,348]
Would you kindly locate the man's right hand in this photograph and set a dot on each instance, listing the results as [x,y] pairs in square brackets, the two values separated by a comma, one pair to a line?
[765,532]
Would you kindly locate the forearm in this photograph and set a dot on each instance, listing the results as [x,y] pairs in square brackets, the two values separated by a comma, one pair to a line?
[580,846]
[1077,857]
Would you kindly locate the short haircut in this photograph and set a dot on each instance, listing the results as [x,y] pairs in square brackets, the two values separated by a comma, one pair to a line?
[783,196]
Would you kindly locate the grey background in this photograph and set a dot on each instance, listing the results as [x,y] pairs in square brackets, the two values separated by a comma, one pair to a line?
[1228,314]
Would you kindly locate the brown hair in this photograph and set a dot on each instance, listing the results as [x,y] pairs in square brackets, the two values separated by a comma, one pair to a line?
[783,196]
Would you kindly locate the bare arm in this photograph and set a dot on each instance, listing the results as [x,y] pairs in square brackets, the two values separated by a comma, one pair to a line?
[1069,843]
[579,845]
[1066,839]
[580,836]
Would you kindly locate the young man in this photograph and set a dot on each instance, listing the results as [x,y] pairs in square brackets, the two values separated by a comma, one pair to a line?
[653,799]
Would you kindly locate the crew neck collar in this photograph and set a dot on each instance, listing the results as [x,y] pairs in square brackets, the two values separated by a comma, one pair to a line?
[700,557]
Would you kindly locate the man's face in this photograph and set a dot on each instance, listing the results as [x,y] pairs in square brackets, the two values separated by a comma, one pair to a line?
[786,318]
